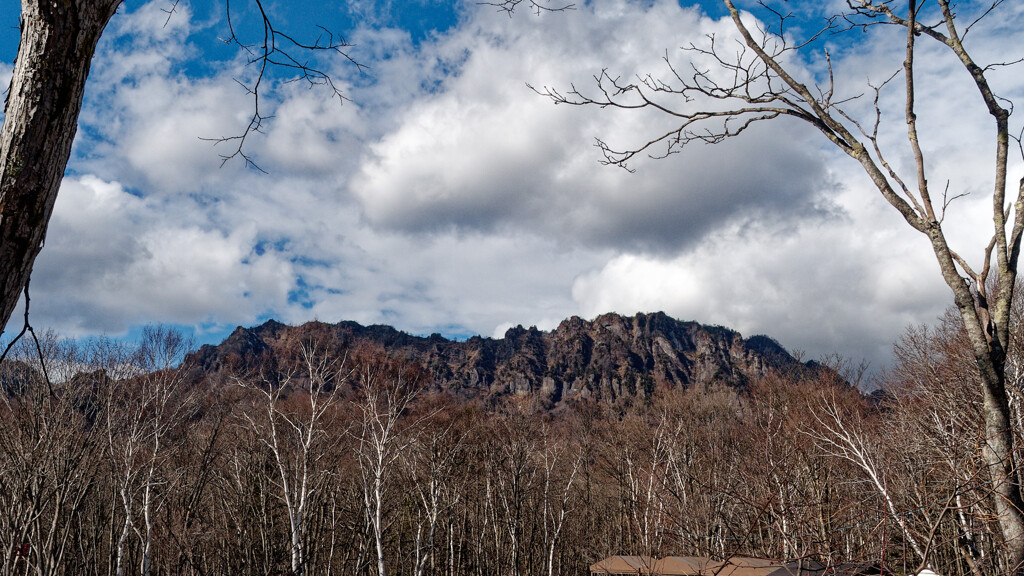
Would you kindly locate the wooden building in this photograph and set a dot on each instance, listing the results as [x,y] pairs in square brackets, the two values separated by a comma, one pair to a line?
[734,566]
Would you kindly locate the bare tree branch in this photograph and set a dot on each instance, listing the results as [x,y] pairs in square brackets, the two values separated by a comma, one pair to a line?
[536,6]
[278,50]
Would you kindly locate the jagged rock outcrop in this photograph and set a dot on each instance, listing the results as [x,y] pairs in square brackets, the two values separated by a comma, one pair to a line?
[608,359]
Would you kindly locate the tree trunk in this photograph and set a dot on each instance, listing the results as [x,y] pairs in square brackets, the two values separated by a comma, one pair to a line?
[997,452]
[984,333]
[58,39]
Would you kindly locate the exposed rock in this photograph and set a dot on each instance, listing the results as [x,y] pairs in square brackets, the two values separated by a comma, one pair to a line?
[609,359]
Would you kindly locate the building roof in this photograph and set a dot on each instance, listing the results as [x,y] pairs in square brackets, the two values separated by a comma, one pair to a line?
[748,566]
[624,565]
[734,566]
[686,566]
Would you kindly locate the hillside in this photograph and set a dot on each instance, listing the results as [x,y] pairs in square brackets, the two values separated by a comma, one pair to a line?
[610,358]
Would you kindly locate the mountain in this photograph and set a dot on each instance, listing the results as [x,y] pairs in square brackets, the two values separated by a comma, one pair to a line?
[609,359]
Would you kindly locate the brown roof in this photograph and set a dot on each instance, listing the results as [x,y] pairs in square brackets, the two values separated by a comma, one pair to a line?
[751,562]
[748,566]
[686,566]
[853,569]
[734,566]
[807,568]
[815,568]
[624,565]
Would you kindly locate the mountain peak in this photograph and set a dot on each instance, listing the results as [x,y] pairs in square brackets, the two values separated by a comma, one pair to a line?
[612,358]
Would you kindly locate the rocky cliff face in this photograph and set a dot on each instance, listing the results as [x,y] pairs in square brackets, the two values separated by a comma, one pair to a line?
[609,359]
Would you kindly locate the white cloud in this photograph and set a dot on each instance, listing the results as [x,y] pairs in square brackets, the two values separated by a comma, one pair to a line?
[313,133]
[446,196]
[452,283]
[836,286]
[485,152]
[113,259]
[160,127]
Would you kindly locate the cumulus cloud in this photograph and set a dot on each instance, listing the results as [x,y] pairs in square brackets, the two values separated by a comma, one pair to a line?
[486,153]
[144,118]
[454,284]
[160,127]
[112,260]
[447,196]
[821,287]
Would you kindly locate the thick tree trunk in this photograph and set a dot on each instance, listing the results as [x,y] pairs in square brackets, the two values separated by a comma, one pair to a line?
[998,453]
[58,39]
[983,331]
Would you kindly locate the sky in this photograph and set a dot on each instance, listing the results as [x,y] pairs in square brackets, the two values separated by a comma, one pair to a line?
[442,194]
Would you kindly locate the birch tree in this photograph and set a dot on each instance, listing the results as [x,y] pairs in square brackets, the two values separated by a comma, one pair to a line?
[842,434]
[160,355]
[51,458]
[560,465]
[385,398]
[142,404]
[295,431]
[515,476]
[432,463]
[123,423]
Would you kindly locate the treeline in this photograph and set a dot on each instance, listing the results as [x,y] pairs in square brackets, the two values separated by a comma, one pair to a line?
[118,459]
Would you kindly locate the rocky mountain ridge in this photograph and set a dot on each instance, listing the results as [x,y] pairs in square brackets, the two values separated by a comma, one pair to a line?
[608,359]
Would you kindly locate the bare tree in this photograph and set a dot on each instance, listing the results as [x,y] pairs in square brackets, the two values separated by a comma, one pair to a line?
[142,403]
[560,464]
[40,120]
[431,463]
[50,460]
[936,407]
[381,443]
[294,430]
[126,434]
[645,470]
[736,88]
[160,356]
[842,434]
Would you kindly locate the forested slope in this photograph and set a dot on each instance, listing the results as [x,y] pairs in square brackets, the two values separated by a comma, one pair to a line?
[296,451]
